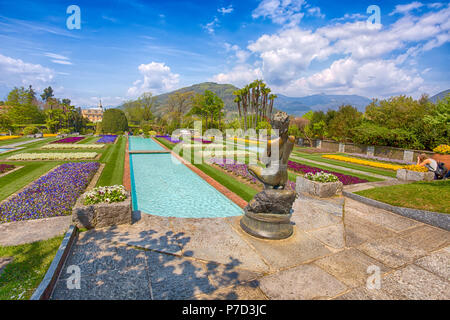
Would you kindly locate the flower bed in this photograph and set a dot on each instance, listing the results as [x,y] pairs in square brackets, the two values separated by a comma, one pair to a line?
[72,146]
[345,179]
[442,149]
[8,137]
[365,156]
[108,194]
[5,168]
[319,184]
[201,140]
[54,156]
[69,140]
[363,162]
[169,138]
[107,138]
[416,168]
[51,195]
[240,169]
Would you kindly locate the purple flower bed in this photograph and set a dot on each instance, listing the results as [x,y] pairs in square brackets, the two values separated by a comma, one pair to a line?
[51,195]
[201,140]
[5,167]
[240,169]
[107,138]
[345,179]
[365,156]
[69,140]
[169,138]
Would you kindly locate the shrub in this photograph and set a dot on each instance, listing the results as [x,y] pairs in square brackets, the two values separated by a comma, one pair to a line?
[30,130]
[114,120]
[64,131]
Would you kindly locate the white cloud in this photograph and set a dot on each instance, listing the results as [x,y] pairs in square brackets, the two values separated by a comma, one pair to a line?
[62,62]
[226,10]
[241,55]
[358,60]
[405,8]
[285,12]
[210,27]
[315,11]
[157,79]
[239,76]
[17,72]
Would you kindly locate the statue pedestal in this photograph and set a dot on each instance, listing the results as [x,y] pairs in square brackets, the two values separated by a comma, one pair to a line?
[267,225]
[268,214]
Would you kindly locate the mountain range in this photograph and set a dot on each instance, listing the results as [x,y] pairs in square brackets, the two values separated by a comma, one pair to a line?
[292,105]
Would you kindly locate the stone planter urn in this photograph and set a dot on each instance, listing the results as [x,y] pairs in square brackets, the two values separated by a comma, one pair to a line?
[409,175]
[318,189]
[101,215]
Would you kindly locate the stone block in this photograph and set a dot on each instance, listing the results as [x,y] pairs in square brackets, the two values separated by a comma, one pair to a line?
[409,175]
[102,214]
[318,189]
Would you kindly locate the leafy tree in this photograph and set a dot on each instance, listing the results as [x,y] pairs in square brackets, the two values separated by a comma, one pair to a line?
[114,120]
[179,103]
[347,118]
[146,102]
[437,123]
[5,123]
[22,110]
[48,93]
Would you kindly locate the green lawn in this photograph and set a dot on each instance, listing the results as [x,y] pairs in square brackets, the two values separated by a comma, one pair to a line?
[431,196]
[315,157]
[114,159]
[88,140]
[22,276]
[16,180]
[12,141]
[28,147]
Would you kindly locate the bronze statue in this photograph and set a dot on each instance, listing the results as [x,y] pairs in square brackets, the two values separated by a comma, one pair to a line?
[274,175]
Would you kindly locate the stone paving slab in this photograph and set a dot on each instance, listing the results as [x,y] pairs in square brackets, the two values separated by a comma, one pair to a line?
[247,291]
[378,216]
[358,231]
[350,266]
[21,232]
[301,283]
[438,263]
[427,237]
[415,283]
[297,249]
[332,236]
[392,252]
[128,284]
[215,240]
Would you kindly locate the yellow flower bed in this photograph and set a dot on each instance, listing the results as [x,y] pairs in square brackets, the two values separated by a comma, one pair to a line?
[417,168]
[50,135]
[364,162]
[8,137]
[442,149]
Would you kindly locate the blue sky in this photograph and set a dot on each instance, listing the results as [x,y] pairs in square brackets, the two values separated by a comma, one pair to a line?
[125,48]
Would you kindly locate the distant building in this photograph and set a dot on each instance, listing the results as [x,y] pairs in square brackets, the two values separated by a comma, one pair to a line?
[93,114]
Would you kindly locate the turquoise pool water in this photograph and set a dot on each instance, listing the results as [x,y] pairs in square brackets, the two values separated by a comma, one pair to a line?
[163,186]
[5,150]
[139,143]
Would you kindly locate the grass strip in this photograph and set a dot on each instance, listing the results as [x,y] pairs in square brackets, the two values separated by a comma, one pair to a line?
[423,195]
[16,180]
[114,164]
[22,276]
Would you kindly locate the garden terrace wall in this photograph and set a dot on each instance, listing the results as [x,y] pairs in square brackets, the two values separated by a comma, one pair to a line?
[388,152]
